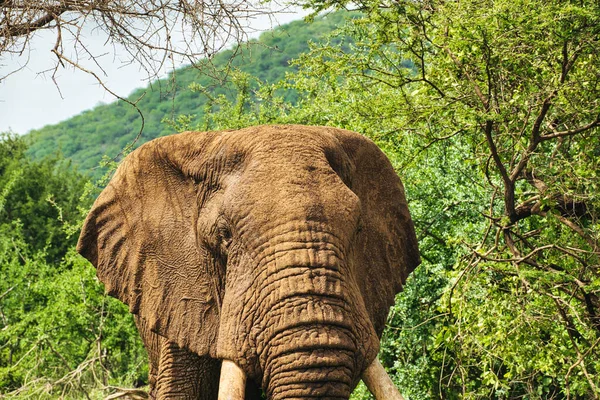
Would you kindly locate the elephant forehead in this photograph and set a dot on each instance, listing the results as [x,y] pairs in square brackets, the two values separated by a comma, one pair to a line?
[312,191]
[280,134]
[281,144]
[277,151]
[300,221]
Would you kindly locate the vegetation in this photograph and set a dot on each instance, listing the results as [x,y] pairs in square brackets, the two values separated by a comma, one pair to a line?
[490,112]
[59,332]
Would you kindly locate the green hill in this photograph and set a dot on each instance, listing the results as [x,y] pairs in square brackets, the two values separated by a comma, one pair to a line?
[108,128]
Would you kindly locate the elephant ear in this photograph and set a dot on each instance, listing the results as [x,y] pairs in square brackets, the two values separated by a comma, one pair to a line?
[387,248]
[141,236]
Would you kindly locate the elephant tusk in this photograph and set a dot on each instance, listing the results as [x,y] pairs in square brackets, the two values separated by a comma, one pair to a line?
[379,382]
[232,384]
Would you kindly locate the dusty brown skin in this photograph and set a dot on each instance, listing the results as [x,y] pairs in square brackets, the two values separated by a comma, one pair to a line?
[277,247]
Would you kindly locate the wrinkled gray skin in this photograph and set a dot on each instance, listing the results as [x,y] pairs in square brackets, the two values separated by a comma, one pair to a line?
[277,247]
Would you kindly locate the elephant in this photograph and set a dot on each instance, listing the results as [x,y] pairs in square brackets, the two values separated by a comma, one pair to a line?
[259,261]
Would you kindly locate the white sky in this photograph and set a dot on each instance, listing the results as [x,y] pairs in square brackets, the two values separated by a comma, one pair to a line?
[29,99]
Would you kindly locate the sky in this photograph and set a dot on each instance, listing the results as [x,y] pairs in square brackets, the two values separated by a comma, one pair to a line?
[31,98]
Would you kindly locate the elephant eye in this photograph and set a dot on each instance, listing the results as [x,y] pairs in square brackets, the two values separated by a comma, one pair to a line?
[225,235]
[360,225]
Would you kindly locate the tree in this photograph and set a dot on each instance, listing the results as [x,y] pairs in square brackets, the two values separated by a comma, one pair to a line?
[41,197]
[153,33]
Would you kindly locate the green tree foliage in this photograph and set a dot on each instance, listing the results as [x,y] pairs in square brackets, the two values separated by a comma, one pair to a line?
[490,111]
[42,196]
[59,333]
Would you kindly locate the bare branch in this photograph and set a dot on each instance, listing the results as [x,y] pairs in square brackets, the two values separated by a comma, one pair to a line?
[494,152]
[134,394]
[572,132]
[150,31]
[27,28]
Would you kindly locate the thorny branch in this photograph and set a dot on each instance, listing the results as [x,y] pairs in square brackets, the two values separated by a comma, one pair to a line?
[151,32]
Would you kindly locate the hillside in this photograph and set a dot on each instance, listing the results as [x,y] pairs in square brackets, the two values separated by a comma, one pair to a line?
[108,128]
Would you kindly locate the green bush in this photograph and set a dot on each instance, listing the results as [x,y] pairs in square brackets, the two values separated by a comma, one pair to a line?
[59,333]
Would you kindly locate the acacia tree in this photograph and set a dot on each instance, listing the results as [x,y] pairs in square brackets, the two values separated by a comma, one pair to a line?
[153,33]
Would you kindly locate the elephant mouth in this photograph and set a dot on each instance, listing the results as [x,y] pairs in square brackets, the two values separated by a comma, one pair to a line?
[316,373]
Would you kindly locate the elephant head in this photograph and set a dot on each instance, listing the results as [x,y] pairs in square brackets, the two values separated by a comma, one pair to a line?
[277,248]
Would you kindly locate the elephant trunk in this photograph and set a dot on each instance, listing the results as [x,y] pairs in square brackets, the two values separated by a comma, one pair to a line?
[313,336]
